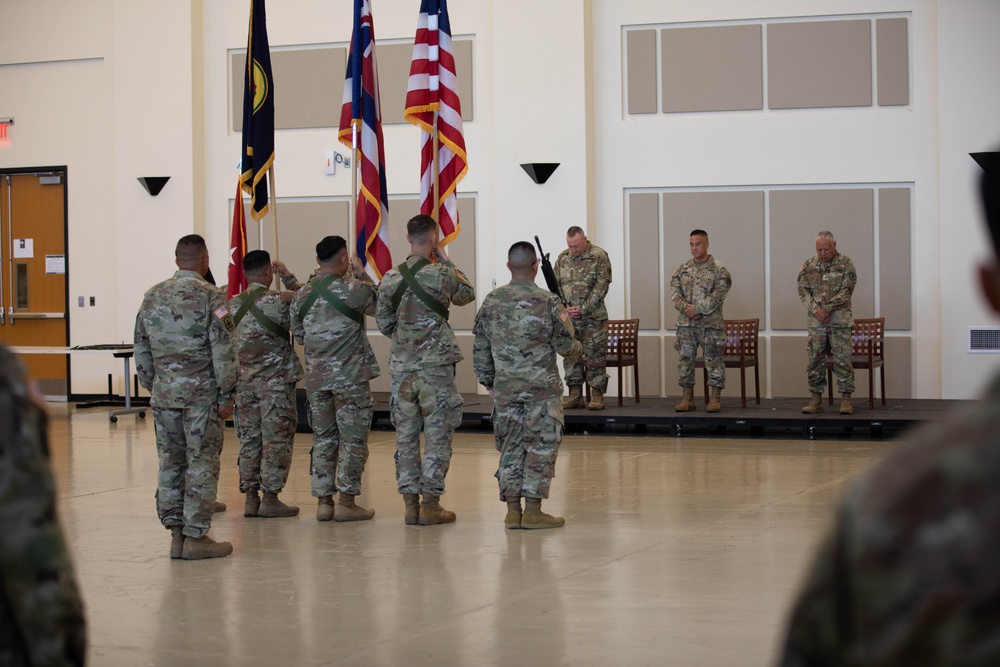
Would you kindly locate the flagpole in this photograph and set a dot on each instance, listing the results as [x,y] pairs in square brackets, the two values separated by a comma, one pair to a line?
[437,175]
[352,231]
[274,217]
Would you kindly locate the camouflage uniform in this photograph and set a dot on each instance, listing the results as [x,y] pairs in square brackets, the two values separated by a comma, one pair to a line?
[339,365]
[705,285]
[829,285]
[41,614]
[584,282]
[422,368]
[265,392]
[519,329]
[184,356]
[908,573]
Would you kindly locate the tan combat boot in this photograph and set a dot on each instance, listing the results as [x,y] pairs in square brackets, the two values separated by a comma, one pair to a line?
[513,519]
[575,398]
[219,507]
[176,541]
[715,400]
[815,405]
[411,501]
[346,510]
[252,503]
[534,518]
[687,401]
[271,507]
[846,407]
[324,508]
[431,512]
[204,547]
[596,400]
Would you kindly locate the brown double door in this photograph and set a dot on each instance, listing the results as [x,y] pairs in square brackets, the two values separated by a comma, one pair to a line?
[33,272]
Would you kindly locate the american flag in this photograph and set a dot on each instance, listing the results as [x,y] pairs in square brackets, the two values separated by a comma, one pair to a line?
[361,106]
[432,88]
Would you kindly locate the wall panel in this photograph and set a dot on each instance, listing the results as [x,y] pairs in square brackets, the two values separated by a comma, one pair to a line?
[895,277]
[716,68]
[819,64]
[645,297]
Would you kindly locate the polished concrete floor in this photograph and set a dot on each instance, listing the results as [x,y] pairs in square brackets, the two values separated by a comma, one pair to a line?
[675,552]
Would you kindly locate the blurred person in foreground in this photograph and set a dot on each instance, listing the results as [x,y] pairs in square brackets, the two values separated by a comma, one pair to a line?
[910,572]
[41,614]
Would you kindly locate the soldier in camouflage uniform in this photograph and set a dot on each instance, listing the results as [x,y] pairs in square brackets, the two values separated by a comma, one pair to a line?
[328,319]
[184,356]
[826,283]
[412,309]
[908,573]
[519,330]
[698,288]
[41,615]
[265,392]
[584,274]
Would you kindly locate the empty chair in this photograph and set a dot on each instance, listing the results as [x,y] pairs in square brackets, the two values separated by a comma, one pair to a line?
[623,350]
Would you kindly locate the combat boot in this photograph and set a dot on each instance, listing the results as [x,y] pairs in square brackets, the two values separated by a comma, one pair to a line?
[324,508]
[412,512]
[687,401]
[176,541]
[204,547]
[596,399]
[346,510]
[219,507]
[513,519]
[815,405]
[252,503]
[534,518]
[846,407]
[575,398]
[271,507]
[431,512]
[715,402]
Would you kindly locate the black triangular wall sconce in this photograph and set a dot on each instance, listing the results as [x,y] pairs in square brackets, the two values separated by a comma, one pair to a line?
[153,184]
[539,171]
[988,161]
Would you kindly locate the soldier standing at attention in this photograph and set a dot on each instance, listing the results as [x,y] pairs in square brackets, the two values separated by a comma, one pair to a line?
[584,274]
[413,303]
[519,330]
[265,391]
[41,615]
[698,288]
[184,357]
[826,283]
[328,319]
[907,575]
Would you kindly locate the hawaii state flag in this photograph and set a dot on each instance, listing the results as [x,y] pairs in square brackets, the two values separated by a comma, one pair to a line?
[237,248]
[361,107]
[258,113]
[433,87]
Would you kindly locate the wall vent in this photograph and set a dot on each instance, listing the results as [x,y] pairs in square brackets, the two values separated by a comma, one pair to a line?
[984,340]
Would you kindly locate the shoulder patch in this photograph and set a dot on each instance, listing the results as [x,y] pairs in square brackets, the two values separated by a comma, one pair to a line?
[853,276]
[564,316]
[226,319]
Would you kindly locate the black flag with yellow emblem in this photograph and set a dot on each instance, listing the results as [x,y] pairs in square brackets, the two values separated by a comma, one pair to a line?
[258,113]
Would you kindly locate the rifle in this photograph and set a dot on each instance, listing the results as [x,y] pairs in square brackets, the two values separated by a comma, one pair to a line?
[549,273]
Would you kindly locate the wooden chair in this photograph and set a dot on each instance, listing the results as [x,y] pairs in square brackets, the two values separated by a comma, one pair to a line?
[867,343]
[742,339]
[623,350]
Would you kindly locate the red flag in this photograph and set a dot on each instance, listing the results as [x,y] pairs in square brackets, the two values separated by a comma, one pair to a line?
[361,106]
[433,87]
[237,247]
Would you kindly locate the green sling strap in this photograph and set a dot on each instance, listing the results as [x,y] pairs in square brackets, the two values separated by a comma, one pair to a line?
[410,280]
[250,305]
[321,289]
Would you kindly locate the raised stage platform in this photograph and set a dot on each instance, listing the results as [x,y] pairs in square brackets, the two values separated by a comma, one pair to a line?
[772,416]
